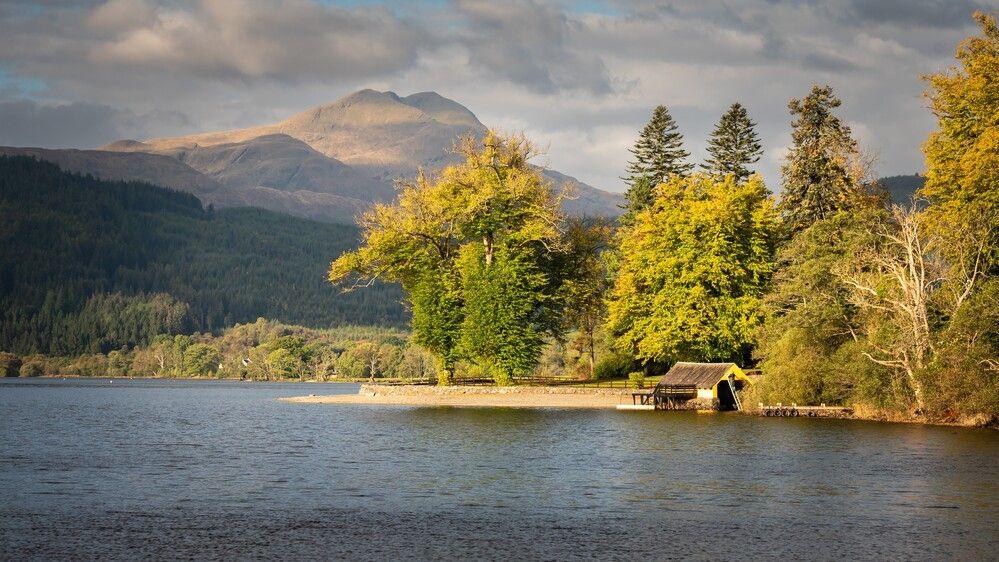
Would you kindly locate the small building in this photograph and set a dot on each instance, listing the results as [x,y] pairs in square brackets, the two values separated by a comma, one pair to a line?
[705,382]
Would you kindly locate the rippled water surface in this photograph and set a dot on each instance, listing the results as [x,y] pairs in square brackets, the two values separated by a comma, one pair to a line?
[199,469]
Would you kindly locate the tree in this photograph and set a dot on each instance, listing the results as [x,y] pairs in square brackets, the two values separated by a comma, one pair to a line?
[584,293]
[499,331]
[962,155]
[733,145]
[282,364]
[494,210]
[658,155]
[693,270]
[822,172]
[809,345]
[200,359]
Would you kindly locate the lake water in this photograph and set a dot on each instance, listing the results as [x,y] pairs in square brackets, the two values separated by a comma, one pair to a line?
[204,469]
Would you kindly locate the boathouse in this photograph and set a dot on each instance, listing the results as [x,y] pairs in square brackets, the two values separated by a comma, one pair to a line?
[705,382]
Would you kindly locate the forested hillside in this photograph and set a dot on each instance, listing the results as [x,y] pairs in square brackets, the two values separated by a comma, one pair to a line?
[88,265]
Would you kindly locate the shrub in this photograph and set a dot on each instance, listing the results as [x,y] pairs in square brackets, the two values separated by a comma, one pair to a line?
[613,366]
[32,369]
[10,364]
[637,378]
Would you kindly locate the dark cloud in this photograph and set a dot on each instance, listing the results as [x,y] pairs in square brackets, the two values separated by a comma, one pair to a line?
[26,122]
[580,80]
[913,13]
[527,43]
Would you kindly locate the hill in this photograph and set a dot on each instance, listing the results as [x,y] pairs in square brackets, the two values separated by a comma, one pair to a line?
[89,265]
[902,188]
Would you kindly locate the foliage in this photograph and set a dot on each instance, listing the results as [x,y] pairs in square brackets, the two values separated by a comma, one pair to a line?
[810,322]
[473,249]
[200,359]
[733,145]
[10,364]
[32,368]
[637,378]
[822,172]
[92,266]
[658,155]
[693,270]
[501,301]
[962,155]
[613,366]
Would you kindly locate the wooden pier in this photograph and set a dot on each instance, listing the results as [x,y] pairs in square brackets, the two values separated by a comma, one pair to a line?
[794,410]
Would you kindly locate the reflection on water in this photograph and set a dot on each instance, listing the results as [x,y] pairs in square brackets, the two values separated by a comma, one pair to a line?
[205,469]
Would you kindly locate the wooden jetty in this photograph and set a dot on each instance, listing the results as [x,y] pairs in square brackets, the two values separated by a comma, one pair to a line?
[793,410]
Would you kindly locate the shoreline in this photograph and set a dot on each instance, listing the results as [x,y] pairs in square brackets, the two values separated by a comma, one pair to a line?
[475,397]
[557,397]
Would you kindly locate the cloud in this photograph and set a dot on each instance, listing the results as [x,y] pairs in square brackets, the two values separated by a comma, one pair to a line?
[528,43]
[75,125]
[579,79]
[289,40]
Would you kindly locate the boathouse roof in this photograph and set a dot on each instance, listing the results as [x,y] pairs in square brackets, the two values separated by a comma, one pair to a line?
[701,375]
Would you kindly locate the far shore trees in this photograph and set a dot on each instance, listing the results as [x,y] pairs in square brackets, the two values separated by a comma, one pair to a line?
[475,250]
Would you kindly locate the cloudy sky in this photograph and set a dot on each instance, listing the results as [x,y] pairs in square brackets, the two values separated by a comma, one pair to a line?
[578,77]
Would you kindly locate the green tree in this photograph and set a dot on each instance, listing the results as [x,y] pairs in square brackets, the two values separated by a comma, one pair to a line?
[200,359]
[493,207]
[733,145]
[283,364]
[822,172]
[499,331]
[693,269]
[658,155]
[810,345]
[118,364]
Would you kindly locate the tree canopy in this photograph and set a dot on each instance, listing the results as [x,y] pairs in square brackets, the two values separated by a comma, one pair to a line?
[473,249]
[693,268]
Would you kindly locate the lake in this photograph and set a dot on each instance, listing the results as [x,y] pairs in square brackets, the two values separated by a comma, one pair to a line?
[216,469]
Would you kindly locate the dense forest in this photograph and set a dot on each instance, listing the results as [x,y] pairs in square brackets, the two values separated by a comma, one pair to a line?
[91,266]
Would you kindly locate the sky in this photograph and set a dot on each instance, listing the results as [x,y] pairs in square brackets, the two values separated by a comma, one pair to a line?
[579,78]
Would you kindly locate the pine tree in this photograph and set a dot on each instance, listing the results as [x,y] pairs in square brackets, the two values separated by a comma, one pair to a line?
[658,156]
[821,175]
[733,145]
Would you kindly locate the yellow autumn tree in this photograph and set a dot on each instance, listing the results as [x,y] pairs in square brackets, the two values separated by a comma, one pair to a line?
[962,155]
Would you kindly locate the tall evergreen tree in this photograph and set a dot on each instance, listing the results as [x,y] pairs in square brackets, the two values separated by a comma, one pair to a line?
[821,173]
[658,156]
[733,145]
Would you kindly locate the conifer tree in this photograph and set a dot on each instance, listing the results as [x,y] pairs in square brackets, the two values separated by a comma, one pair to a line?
[658,156]
[821,173]
[733,145]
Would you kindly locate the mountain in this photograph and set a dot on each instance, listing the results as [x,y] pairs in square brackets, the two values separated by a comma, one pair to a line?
[89,265]
[331,161]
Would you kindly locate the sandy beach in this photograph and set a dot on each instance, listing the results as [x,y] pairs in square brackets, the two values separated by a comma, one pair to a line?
[476,397]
